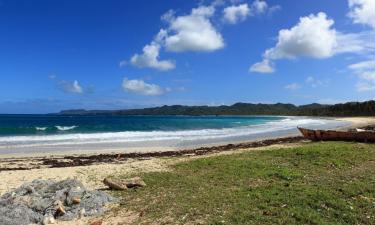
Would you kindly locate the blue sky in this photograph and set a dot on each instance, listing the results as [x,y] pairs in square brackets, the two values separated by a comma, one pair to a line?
[117,54]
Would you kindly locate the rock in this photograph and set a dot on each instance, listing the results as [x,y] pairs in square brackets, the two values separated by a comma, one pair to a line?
[48,220]
[115,184]
[82,213]
[121,185]
[76,201]
[43,201]
[59,207]
[135,182]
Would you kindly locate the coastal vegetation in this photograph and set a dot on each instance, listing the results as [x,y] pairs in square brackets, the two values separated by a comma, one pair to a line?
[347,109]
[314,183]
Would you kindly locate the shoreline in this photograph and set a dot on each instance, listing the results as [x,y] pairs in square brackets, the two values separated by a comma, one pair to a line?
[354,122]
[31,161]
[149,146]
[91,169]
[117,158]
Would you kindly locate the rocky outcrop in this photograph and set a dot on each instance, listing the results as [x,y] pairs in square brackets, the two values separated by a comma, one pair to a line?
[44,201]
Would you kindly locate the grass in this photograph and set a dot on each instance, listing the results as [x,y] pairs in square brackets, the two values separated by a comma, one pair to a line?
[319,183]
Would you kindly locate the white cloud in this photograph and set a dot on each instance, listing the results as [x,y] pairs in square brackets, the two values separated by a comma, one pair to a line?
[311,37]
[274,9]
[142,88]
[365,71]
[150,56]
[70,87]
[234,14]
[259,6]
[264,66]
[314,37]
[237,13]
[168,16]
[193,32]
[365,65]
[362,12]
[293,86]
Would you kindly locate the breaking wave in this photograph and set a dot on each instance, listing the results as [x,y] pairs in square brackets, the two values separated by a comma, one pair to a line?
[65,128]
[211,135]
[41,128]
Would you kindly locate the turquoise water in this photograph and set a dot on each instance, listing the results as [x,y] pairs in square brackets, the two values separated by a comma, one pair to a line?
[50,124]
[52,134]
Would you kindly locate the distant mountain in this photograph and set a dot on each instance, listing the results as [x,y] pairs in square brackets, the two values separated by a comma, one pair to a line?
[347,109]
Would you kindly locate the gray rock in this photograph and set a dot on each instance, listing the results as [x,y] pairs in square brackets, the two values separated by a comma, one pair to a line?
[42,200]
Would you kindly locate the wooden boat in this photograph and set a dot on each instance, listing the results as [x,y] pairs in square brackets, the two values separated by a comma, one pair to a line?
[332,135]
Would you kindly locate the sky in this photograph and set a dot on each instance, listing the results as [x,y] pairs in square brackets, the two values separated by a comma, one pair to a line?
[114,54]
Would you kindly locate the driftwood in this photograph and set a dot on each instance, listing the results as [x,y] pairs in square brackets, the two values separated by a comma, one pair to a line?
[124,184]
[115,185]
[332,135]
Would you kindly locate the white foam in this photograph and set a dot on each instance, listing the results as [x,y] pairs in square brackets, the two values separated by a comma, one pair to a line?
[41,128]
[147,136]
[62,128]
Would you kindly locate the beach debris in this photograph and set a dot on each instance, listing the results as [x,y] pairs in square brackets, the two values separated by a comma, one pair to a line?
[45,201]
[99,222]
[86,160]
[135,182]
[115,185]
[124,184]
[76,200]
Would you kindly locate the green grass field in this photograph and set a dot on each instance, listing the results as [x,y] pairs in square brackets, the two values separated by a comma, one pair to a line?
[318,183]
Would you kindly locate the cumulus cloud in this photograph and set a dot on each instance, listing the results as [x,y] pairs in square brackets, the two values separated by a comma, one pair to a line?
[193,32]
[293,86]
[150,59]
[264,66]
[70,86]
[235,14]
[314,37]
[362,12]
[238,13]
[365,72]
[142,88]
[150,56]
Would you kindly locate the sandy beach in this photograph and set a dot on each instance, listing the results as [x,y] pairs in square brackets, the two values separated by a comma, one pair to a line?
[358,121]
[18,170]
[19,165]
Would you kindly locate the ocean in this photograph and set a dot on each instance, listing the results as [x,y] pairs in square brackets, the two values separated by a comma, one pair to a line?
[57,133]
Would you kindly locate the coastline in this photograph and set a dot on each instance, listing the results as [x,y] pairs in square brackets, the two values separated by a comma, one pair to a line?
[157,141]
[59,152]
[91,169]
[16,169]
[353,122]
[29,163]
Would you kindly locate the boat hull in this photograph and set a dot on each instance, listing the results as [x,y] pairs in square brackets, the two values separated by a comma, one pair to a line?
[331,135]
